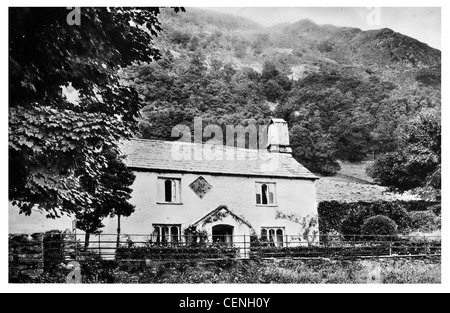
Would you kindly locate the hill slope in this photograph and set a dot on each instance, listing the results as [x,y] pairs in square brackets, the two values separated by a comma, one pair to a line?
[345,93]
[304,46]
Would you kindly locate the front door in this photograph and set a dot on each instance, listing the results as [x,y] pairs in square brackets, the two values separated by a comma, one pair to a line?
[223,234]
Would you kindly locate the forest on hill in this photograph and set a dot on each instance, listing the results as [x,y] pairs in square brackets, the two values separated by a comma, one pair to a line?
[346,94]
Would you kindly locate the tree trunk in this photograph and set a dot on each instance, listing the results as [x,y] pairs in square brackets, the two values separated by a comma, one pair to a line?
[87,236]
[118,231]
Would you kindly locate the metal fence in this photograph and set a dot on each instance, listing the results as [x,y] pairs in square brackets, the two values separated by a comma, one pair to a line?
[138,247]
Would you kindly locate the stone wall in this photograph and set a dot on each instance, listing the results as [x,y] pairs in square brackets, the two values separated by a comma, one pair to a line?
[31,255]
[26,255]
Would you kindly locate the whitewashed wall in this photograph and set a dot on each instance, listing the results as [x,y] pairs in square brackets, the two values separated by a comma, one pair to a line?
[237,193]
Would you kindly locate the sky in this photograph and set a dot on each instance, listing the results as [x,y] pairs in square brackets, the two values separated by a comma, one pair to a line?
[423,24]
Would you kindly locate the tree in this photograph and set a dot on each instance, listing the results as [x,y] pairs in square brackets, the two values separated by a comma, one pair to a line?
[416,165]
[272,90]
[269,71]
[57,146]
[113,201]
[313,150]
[180,38]
[174,95]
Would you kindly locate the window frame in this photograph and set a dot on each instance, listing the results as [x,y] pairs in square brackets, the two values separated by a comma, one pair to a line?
[169,236]
[258,187]
[275,230]
[161,189]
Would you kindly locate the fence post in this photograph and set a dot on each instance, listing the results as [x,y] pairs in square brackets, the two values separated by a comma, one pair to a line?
[245,247]
[390,246]
[76,245]
[99,246]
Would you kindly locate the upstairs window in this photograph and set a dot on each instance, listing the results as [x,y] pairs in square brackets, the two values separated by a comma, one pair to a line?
[265,193]
[169,190]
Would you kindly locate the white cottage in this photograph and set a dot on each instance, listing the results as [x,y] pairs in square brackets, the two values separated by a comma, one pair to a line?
[229,193]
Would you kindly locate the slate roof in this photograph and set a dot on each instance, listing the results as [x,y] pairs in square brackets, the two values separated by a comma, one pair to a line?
[174,156]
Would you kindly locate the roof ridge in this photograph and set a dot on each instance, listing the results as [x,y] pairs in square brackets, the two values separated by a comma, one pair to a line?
[196,143]
[150,154]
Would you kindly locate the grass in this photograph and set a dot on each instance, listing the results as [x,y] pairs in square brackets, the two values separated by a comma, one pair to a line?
[356,170]
[352,184]
[400,271]
[318,271]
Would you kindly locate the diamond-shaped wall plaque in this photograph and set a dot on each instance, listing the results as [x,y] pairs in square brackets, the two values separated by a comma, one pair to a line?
[201,187]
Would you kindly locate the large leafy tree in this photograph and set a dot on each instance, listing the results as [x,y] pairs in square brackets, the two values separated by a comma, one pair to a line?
[59,148]
[416,165]
[313,149]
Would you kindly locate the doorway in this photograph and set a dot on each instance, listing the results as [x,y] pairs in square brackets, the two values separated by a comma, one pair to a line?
[223,234]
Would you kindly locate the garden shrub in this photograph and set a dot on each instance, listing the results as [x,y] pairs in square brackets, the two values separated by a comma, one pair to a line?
[101,271]
[379,225]
[419,205]
[352,224]
[350,249]
[348,218]
[331,215]
[396,211]
[168,252]
[436,209]
[426,221]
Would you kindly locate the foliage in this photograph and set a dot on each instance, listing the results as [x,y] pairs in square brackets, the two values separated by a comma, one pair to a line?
[428,78]
[173,94]
[425,221]
[221,213]
[333,116]
[416,165]
[260,272]
[379,225]
[116,180]
[180,38]
[309,225]
[314,150]
[348,218]
[56,144]
[325,46]
[169,252]
[369,246]
[194,235]
[336,108]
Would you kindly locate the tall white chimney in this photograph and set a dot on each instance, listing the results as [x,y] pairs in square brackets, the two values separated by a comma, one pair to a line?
[278,136]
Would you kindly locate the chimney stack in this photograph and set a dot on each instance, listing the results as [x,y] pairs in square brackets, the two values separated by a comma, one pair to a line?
[278,137]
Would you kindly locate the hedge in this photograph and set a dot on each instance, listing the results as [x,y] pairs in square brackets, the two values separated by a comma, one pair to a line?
[333,214]
[347,249]
[159,252]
